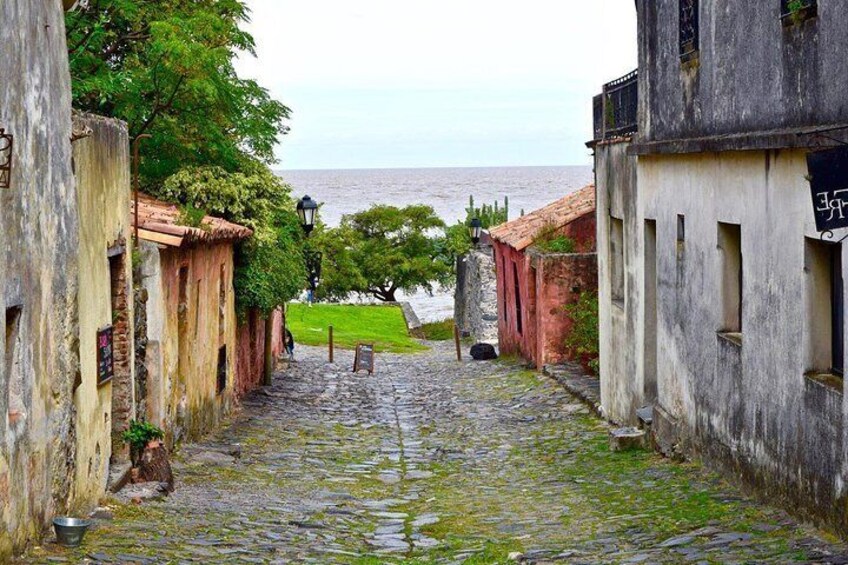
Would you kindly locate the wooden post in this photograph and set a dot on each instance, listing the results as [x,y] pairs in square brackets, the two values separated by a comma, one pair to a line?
[331,344]
[456,341]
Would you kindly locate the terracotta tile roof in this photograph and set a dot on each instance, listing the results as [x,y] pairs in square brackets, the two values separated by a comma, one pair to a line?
[159,222]
[522,232]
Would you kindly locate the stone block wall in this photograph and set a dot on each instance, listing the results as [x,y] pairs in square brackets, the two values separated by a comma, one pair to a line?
[476,296]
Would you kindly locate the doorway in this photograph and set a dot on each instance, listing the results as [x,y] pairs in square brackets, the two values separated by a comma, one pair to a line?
[650,353]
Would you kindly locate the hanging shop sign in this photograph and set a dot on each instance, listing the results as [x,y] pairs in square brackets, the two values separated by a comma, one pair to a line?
[5,159]
[829,185]
[105,355]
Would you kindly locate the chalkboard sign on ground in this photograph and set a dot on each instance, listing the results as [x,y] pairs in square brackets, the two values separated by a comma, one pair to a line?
[364,358]
[105,356]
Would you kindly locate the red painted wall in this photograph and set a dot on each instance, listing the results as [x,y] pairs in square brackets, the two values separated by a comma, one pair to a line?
[546,283]
[250,344]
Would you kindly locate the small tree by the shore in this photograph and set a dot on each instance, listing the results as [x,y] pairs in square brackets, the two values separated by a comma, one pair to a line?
[383,250]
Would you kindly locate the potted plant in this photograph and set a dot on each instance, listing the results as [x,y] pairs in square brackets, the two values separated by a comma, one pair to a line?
[139,435]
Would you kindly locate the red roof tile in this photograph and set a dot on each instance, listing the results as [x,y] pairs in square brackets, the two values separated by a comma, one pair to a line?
[158,221]
[522,232]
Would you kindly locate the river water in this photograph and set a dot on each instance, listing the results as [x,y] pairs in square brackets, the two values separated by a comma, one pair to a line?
[446,190]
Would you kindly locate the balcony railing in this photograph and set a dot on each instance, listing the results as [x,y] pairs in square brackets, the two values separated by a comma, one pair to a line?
[616,108]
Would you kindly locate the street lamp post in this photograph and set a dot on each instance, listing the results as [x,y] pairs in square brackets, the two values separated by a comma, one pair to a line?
[307,209]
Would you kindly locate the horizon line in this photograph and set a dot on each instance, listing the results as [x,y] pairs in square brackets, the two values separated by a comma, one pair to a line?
[412,168]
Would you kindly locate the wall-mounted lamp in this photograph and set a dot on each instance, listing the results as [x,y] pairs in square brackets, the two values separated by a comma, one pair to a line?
[5,159]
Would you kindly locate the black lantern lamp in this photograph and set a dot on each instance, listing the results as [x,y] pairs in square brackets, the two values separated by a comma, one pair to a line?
[5,159]
[307,209]
[476,230]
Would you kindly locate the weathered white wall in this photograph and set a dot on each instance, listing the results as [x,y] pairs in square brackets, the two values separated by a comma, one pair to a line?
[748,408]
[621,321]
[102,167]
[38,271]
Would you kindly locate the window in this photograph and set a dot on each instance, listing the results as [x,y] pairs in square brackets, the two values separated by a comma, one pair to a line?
[825,307]
[730,283]
[650,345]
[617,259]
[222,369]
[681,228]
[222,302]
[505,305]
[518,316]
[14,372]
[796,11]
[689,29]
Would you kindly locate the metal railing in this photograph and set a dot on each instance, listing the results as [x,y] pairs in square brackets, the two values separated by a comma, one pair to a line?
[615,110]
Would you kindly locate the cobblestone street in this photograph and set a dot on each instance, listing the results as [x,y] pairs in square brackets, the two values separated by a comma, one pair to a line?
[430,461]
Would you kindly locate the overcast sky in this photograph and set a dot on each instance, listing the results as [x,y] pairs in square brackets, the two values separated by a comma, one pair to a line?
[388,83]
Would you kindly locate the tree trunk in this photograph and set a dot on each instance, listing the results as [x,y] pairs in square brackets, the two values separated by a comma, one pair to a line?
[385,294]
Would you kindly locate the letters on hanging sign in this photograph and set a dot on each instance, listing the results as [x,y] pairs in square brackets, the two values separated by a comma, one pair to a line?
[829,185]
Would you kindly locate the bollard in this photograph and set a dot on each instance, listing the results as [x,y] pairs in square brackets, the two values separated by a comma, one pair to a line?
[456,341]
[331,344]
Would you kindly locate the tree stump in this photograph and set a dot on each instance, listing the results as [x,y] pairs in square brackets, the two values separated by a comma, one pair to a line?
[154,466]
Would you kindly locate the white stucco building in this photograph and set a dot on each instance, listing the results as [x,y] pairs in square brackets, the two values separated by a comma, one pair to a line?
[721,303]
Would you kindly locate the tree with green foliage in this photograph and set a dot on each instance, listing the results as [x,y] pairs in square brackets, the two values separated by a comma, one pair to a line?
[382,250]
[269,266]
[166,68]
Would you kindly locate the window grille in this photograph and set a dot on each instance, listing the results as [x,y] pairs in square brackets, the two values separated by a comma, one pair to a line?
[689,30]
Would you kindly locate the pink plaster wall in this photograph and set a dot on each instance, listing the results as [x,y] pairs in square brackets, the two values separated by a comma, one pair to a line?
[250,360]
[546,283]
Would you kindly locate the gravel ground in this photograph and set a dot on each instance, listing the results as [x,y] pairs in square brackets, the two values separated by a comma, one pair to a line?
[434,461]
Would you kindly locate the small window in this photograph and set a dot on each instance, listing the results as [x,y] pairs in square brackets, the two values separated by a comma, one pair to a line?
[222,369]
[825,307]
[689,29]
[505,304]
[518,316]
[681,228]
[617,260]
[730,261]
[14,370]
[222,302]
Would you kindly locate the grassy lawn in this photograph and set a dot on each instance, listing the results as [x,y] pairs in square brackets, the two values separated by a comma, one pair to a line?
[383,326]
[437,331]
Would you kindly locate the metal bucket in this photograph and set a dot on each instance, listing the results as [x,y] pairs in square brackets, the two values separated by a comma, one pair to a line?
[70,531]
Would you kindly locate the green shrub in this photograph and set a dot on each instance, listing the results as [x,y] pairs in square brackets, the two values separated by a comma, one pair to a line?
[550,241]
[583,341]
[140,433]
[137,435]
[192,217]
